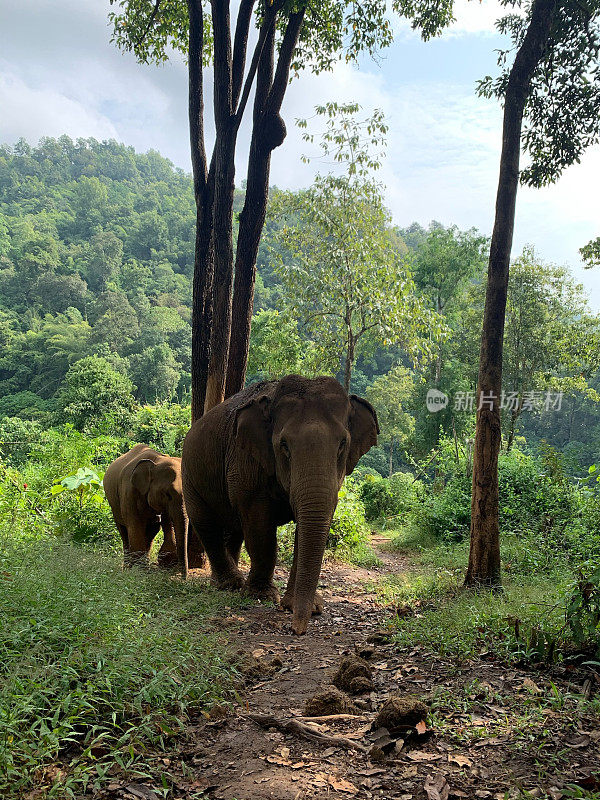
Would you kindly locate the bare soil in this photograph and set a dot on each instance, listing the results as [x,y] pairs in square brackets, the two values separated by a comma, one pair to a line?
[494,729]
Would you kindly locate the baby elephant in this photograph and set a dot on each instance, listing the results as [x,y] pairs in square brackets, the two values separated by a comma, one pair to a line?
[143,488]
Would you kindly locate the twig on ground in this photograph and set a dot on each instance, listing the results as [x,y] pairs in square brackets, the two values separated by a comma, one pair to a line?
[329,718]
[305,730]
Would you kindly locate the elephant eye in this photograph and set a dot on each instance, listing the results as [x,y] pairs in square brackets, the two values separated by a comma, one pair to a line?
[343,444]
[284,446]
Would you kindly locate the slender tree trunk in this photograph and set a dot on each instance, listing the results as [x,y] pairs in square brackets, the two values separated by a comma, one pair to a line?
[252,220]
[203,261]
[268,133]
[514,416]
[484,555]
[350,352]
[391,470]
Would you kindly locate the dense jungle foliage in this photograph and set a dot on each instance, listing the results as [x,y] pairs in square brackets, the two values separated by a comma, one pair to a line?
[96,259]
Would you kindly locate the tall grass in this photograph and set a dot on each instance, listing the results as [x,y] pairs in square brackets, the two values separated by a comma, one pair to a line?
[96,664]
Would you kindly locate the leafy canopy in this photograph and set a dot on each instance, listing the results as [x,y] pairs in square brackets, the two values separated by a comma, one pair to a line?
[562,114]
[333,29]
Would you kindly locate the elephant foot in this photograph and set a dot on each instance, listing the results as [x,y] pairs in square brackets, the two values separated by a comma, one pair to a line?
[229,583]
[262,591]
[136,559]
[287,602]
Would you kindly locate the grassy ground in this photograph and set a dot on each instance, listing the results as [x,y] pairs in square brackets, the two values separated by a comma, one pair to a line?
[525,622]
[97,664]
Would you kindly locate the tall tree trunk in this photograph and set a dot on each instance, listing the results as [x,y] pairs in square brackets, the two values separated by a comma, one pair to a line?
[484,555]
[223,269]
[268,133]
[203,261]
[391,470]
[222,219]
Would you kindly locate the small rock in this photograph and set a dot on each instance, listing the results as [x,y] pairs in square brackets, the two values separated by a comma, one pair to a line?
[354,676]
[399,712]
[329,701]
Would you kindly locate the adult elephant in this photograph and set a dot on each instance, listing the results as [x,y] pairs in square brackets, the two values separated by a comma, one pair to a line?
[275,452]
[143,489]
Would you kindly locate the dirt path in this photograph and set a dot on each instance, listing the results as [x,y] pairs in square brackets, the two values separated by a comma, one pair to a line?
[473,751]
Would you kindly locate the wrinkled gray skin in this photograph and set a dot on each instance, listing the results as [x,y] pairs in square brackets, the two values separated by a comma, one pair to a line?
[143,489]
[275,452]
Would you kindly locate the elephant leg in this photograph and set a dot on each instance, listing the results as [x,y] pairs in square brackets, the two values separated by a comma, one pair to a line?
[196,557]
[234,541]
[167,555]
[224,571]
[139,546]
[287,600]
[124,537]
[260,536]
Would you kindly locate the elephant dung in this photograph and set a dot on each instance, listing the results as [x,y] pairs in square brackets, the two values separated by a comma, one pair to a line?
[329,701]
[354,675]
[258,669]
[398,713]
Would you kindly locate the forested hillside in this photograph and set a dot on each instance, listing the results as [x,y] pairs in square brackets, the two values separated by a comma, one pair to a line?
[96,259]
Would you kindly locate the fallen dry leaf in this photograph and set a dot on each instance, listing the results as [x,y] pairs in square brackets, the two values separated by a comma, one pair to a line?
[341,785]
[577,742]
[462,761]
[418,755]
[533,687]
[436,787]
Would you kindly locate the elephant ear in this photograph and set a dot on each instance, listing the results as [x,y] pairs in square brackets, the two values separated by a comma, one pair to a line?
[363,428]
[253,431]
[141,477]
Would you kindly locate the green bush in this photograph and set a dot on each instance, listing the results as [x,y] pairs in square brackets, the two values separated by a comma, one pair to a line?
[583,611]
[17,437]
[162,426]
[88,522]
[377,497]
[389,497]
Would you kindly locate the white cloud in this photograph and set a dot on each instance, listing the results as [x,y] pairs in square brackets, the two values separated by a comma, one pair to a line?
[31,113]
[476,16]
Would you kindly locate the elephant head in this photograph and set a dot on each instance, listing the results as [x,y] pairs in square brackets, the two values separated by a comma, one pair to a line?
[160,484]
[308,435]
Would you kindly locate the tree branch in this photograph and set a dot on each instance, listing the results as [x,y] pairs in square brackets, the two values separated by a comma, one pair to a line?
[196,97]
[222,62]
[286,53]
[306,730]
[150,22]
[240,44]
[268,27]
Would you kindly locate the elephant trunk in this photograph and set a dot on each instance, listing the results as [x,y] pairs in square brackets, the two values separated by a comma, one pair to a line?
[314,506]
[181,525]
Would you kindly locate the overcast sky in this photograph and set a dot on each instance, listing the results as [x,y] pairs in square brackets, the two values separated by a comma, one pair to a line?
[60,74]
